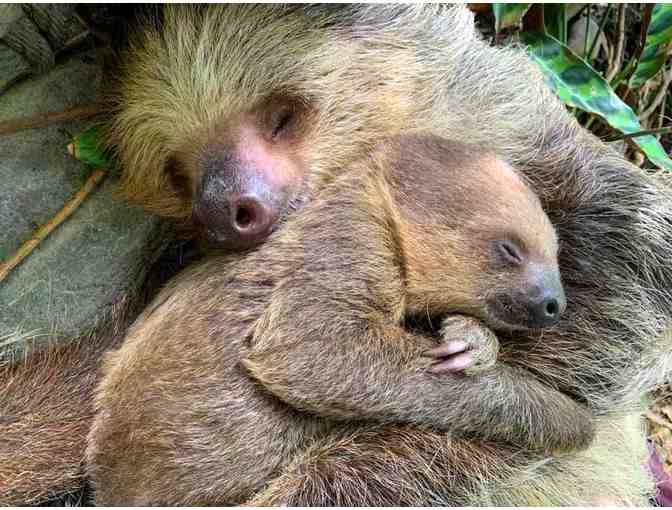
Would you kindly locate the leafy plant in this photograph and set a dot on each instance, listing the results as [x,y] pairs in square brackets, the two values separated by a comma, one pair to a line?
[604,94]
[85,147]
[658,45]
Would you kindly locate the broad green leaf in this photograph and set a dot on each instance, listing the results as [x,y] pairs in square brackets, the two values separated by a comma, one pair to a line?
[508,15]
[555,21]
[579,85]
[657,47]
[85,147]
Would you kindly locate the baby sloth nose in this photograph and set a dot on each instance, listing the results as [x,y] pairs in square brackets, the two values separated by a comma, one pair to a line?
[547,312]
[547,299]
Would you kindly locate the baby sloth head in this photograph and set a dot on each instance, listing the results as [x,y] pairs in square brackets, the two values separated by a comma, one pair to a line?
[484,247]
[534,296]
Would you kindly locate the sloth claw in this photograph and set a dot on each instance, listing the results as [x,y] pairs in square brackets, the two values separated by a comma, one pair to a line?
[448,348]
[468,346]
[457,363]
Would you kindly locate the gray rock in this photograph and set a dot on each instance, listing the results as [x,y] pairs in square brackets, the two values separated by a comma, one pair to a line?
[32,35]
[13,67]
[14,64]
[99,255]
[57,23]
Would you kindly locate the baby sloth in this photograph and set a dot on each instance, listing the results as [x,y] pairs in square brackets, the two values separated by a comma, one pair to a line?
[243,365]
[493,237]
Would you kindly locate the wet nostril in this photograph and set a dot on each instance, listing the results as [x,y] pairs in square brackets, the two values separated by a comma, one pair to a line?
[552,308]
[244,217]
[251,218]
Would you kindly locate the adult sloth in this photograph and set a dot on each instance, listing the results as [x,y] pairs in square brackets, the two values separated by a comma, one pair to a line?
[206,95]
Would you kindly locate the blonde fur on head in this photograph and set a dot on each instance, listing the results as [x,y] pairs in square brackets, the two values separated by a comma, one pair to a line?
[193,72]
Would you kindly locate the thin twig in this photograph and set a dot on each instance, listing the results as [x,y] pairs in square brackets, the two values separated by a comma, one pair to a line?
[585,35]
[41,233]
[601,29]
[611,51]
[76,40]
[643,29]
[617,62]
[660,95]
[577,15]
[41,120]
[637,134]
[626,73]
[661,117]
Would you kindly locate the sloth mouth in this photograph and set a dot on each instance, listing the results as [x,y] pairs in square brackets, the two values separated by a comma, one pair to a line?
[515,313]
[506,314]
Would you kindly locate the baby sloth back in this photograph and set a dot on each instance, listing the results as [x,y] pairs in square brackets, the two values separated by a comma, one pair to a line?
[302,350]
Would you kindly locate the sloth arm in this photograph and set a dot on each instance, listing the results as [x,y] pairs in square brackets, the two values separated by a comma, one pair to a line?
[330,344]
[377,371]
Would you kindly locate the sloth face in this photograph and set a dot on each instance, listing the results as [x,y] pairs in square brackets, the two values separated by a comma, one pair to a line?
[245,174]
[481,245]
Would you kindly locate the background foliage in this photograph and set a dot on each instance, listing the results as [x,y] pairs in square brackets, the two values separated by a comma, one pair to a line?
[609,63]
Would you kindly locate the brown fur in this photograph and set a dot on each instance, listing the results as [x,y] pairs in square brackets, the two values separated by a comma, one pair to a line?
[613,221]
[327,296]
[408,68]
[46,411]
[399,466]
[46,401]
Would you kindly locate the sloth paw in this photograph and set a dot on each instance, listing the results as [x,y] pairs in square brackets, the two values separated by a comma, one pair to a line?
[467,346]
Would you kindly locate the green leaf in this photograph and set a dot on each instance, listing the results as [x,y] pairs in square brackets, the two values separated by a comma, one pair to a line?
[508,15]
[657,47]
[579,85]
[555,21]
[85,147]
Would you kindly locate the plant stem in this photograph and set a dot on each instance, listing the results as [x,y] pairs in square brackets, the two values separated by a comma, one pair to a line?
[41,120]
[585,36]
[601,29]
[637,134]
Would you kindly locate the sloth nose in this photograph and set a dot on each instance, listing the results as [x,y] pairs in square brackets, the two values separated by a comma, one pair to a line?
[536,301]
[250,219]
[236,219]
[546,299]
[547,311]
